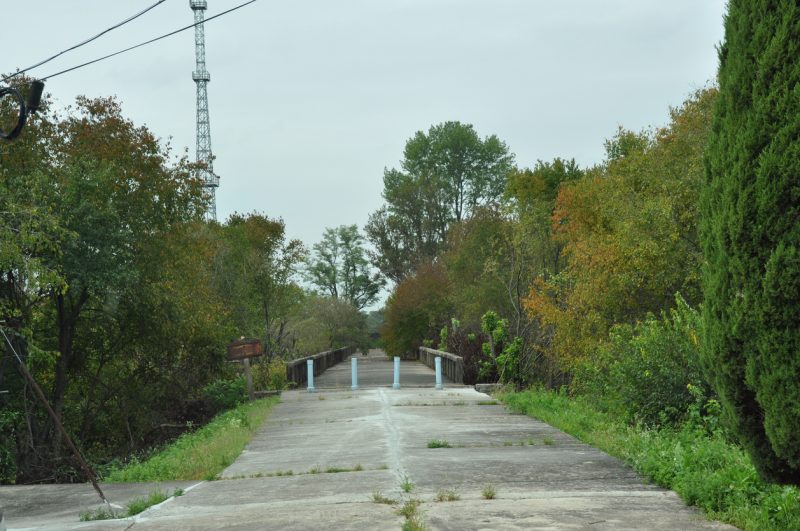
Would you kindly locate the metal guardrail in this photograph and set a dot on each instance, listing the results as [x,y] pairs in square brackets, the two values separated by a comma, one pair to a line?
[452,365]
[297,372]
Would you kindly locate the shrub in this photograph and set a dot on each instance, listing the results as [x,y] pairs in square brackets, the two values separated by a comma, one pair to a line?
[225,394]
[271,375]
[502,356]
[462,342]
[649,372]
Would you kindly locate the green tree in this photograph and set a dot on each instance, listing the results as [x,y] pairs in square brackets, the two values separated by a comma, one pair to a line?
[627,234]
[100,295]
[325,323]
[417,309]
[751,234]
[445,174]
[255,274]
[340,269]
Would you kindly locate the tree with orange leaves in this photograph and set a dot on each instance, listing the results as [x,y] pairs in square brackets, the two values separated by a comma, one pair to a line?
[629,233]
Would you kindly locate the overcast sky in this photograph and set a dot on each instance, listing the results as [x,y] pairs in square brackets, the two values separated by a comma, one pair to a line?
[310,100]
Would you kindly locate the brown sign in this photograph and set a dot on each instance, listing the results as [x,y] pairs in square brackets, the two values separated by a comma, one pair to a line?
[244,348]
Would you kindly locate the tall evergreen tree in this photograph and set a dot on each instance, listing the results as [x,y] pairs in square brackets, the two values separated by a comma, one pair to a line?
[751,234]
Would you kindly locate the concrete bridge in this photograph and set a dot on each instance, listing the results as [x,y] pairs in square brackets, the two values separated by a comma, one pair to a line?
[330,459]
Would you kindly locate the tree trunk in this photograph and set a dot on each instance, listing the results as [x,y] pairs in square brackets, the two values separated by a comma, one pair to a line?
[66,320]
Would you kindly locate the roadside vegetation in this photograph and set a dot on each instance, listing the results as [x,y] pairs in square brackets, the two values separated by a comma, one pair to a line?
[697,459]
[136,506]
[656,291]
[121,297]
[202,454]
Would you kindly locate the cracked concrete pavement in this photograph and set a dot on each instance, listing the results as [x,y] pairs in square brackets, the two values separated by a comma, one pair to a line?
[320,457]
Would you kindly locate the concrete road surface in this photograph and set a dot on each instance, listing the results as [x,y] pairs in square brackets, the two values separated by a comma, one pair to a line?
[321,459]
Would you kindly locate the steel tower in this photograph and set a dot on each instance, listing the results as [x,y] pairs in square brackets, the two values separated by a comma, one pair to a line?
[202,78]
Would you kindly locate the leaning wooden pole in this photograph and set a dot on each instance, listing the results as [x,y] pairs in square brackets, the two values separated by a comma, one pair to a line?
[87,470]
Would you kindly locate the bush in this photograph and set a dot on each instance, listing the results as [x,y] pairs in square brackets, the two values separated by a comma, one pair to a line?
[468,344]
[502,353]
[225,394]
[8,459]
[649,373]
[270,375]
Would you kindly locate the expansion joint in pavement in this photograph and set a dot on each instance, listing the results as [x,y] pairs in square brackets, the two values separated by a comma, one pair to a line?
[392,437]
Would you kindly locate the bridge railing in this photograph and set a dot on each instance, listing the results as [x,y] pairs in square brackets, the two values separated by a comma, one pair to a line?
[452,365]
[297,371]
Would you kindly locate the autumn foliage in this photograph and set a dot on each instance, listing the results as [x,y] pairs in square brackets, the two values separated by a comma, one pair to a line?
[629,234]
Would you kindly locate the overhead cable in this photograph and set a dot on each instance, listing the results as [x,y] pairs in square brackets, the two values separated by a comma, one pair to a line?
[147,42]
[87,41]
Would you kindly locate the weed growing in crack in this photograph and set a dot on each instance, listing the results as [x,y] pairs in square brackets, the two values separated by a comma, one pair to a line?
[378,497]
[101,513]
[448,495]
[410,510]
[406,484]
[137,505]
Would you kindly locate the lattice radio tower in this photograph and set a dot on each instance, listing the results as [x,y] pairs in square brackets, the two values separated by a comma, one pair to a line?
[202,78]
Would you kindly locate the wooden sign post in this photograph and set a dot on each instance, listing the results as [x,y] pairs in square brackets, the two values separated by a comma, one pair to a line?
[244,349]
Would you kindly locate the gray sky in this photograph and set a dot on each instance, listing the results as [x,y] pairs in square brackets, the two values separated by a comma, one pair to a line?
[310,100]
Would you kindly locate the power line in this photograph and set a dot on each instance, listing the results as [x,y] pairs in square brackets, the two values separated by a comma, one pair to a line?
[87,41]
[147,42]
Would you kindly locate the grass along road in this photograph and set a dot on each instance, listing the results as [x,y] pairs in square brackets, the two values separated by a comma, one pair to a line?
[204,453]
[696,461]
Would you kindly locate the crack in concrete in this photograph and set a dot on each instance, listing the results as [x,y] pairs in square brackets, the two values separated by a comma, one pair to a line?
[393,438]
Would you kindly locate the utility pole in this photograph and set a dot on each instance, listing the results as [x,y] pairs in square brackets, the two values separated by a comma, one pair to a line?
[202,78]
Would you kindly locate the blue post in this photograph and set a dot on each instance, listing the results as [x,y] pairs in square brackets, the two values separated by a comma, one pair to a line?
[310,365]
[354,372]
[438,364]
[396,384]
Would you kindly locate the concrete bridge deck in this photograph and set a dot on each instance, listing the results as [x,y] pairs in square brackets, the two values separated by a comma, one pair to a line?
[377,370]
[321,457]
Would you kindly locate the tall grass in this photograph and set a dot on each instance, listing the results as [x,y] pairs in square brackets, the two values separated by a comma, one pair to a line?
[695,460]
[204,453]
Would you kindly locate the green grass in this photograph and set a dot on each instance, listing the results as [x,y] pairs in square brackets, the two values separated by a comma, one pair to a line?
[438,443]
[136,506]
[705,469]
[414,519]
[338,469]
[406,484]
[101,513]
[378,497]
[489,492]
[446,495]
[204,453]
